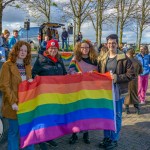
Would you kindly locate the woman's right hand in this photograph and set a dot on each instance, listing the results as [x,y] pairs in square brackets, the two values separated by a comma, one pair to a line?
[15,107]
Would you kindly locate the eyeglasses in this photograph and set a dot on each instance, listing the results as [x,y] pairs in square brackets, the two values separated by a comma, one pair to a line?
[111,43]
[85,47]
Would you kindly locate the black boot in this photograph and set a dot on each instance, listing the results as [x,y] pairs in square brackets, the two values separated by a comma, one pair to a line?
[105,142]
[137,109]
[73,138]
[127,109]
[86,138]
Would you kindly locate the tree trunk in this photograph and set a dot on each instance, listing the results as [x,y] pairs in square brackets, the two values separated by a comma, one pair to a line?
[78,24]
[74,33]
[1,14]
[97,21]
[117,19]
[140,36]
[121,34]
[137,35]
[100,21]
[117,25]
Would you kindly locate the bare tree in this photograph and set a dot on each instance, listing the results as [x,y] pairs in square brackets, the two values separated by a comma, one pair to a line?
[78,11]
[124,10]
[3,4]
[101,17]
[39,9]
[143,16]
[81,9]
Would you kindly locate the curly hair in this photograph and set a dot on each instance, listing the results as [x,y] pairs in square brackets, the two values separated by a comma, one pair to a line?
[92,53]
[15,52]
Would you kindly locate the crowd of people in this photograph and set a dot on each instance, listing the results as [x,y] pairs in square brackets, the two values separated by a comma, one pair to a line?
[128,71]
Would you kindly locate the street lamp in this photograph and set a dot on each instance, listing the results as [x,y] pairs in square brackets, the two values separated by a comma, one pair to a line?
[27,26]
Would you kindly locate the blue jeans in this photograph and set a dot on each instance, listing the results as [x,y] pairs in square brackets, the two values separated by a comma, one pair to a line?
[13,136]
[66,44]
[114,136]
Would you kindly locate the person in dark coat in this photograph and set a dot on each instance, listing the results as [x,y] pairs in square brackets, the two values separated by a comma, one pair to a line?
[132,97]
[49,64]
[64,37]
[79,37]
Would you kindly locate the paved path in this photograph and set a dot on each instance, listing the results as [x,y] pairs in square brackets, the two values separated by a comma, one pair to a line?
[135,133]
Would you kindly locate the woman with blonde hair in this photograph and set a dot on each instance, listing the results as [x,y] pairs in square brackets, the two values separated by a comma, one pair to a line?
[84,60]
[13,72]
[144,58]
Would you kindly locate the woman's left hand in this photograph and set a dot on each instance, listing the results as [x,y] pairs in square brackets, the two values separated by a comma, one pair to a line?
[30,80]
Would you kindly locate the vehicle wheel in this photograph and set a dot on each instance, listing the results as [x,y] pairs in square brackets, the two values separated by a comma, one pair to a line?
[3,130]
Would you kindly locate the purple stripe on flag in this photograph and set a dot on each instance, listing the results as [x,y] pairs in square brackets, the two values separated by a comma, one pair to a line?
[46,134]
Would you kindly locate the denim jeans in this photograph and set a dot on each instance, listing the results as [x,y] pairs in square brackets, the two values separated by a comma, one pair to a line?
[66,44]
[114,135]
[13,136]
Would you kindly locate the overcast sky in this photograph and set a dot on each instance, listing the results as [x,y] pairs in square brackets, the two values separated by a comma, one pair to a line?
[14,19]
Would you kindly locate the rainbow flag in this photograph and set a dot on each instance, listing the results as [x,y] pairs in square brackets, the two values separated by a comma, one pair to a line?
[74,64]
[53,106]
[66,57]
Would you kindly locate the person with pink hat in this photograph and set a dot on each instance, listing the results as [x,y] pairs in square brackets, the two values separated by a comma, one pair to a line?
[49,64]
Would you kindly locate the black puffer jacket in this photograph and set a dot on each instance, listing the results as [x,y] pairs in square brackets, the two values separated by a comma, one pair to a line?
[46,67]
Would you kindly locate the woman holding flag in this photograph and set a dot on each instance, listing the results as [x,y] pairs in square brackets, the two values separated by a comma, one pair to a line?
[13,72]
[49,64]
[84,60]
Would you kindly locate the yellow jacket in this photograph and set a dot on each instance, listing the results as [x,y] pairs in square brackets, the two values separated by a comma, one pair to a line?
[9,81]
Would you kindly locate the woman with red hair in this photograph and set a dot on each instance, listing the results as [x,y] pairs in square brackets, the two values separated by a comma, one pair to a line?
[13,72]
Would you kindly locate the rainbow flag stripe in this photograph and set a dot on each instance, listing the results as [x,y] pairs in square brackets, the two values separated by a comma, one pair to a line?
[66,56]
[74,64]
[52,106]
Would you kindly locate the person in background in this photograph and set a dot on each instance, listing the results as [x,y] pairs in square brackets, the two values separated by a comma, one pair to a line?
[39,37]
[1,41]
[13,39]
[5,42]
[64,37]
[56,35]
[43,44]
[144,58]
[32,45]
[15,70]
[104,49]
[85,58]
[2,51]
[96,47]
[49,64]
[122,71]
[79,37]
[132,97]
[49,33]
[125,48]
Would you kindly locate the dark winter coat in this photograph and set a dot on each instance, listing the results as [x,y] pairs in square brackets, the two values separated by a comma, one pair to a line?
[46,67]
[132,97]
[64,35]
